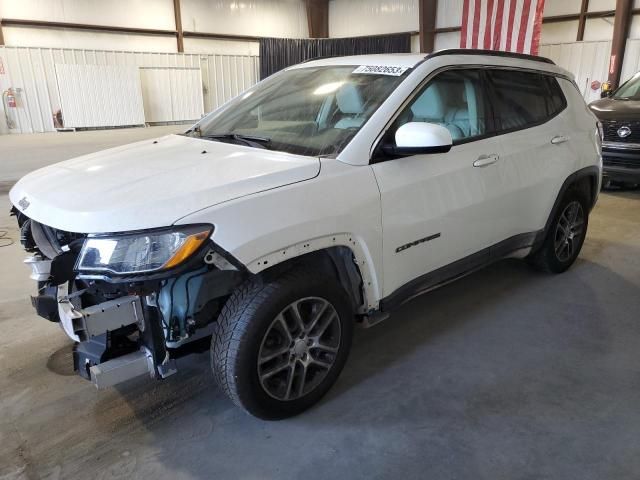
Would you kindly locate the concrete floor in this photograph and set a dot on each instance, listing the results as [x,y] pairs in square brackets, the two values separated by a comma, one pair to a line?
[20,154]
[507,374]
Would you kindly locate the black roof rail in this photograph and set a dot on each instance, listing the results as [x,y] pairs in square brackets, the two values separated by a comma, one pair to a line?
[493,53]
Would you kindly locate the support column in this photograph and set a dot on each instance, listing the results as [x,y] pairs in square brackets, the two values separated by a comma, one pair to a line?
[177,13]
[582,21]
[427,10]
[619,42]
[318,18]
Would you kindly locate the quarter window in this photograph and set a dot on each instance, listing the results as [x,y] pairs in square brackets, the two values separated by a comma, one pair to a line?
[454,100]
[557,102]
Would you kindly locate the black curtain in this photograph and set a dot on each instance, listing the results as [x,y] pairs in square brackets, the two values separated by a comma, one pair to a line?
[279,53]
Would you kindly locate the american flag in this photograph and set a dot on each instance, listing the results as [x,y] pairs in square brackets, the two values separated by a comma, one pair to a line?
[507,25]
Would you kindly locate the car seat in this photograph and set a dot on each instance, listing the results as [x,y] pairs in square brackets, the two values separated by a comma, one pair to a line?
[350,105]
[434,107]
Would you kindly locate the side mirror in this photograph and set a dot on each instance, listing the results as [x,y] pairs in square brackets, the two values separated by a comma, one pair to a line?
[416,138]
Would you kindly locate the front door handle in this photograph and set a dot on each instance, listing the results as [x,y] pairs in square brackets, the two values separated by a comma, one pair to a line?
[486,160]
[557,140]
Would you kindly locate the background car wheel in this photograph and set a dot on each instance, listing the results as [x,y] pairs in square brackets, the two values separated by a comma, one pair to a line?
[566,235]
[279,346]
[607,184]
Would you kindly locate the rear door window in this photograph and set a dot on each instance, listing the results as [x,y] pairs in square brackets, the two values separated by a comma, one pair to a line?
[524,99]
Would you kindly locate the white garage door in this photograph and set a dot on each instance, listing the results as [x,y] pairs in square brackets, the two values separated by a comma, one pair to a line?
[172,94]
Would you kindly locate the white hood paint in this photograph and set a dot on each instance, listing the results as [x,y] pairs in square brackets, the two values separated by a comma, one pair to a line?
[152,183]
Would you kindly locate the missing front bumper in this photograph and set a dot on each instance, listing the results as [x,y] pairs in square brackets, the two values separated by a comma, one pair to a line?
[121,369]
[118,342]
[102,318]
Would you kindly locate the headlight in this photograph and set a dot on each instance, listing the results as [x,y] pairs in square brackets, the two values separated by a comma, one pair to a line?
[142,252]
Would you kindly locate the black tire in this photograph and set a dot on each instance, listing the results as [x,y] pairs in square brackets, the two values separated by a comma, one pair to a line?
[248,315]
[547,258]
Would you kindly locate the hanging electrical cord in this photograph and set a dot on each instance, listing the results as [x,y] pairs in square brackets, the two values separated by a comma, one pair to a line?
[5,239]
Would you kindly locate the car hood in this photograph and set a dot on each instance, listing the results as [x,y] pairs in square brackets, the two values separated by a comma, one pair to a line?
[152,183]
[619,110]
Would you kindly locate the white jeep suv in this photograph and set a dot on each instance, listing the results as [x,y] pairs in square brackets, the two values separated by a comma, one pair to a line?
[328,194]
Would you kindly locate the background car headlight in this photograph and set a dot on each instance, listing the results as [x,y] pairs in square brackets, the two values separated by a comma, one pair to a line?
[142,252]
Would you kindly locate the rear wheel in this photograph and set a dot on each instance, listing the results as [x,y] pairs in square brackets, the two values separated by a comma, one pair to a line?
[566,235]
[280,345]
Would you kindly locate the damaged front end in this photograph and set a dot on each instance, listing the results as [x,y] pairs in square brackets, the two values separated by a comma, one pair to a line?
[133,302]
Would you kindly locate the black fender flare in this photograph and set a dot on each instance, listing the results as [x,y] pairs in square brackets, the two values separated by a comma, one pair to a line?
[592,173]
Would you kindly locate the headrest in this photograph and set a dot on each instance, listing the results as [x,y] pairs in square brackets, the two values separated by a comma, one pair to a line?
[430,105]
[349,100]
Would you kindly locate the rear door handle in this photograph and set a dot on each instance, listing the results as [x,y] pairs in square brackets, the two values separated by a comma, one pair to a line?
[559,139]
[486,160]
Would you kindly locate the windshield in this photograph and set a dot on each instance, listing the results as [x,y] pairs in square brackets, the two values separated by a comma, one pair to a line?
[629,90]
[307,111]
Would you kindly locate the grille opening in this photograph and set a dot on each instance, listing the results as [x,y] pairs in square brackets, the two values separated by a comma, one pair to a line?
[611,128]
[621,162]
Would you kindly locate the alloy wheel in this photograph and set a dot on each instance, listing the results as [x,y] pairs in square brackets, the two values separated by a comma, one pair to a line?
[299,348]
[569,231]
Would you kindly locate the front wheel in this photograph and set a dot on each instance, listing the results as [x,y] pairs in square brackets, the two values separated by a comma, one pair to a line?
[279,346]
[566,235]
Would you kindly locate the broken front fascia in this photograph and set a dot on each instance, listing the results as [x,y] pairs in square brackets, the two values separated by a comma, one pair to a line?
[128,324]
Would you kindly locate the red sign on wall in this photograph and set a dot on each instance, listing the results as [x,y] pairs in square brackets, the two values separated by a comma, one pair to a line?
[612,65]
[1,67]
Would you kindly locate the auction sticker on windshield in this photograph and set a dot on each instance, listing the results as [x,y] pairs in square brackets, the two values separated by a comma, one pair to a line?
[381,70]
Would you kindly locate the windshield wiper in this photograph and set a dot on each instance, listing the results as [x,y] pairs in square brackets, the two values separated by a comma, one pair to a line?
[194,131]
[249,140]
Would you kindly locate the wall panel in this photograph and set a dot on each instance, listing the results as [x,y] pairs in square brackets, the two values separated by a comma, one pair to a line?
[277,18]
[601,5]
[561,32]
[172,94]
[449,13]
[631,64]
[587,61]
[634,28]
[60,38]
[224,77]
[447,40]
[268,18]
[415,43]
[598,29]
[157,14]
[561,7]
[220,47]
[32,70]
[352,18]
[25,116]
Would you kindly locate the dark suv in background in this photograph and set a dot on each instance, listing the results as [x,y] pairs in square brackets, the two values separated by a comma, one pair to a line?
[619,113]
